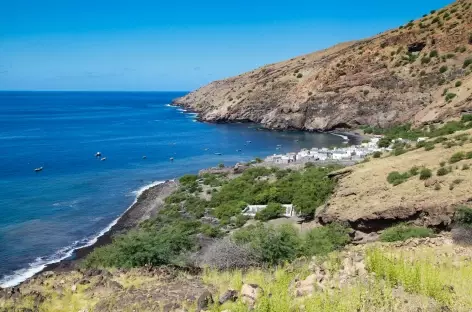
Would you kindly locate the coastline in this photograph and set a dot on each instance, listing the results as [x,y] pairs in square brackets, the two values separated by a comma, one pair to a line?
[147,204]
[148,200]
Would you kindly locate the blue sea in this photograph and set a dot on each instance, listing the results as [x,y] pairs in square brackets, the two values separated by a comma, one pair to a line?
[45,215]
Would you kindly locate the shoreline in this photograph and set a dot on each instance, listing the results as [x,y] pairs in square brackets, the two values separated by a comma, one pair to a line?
[148,200]
[146,205]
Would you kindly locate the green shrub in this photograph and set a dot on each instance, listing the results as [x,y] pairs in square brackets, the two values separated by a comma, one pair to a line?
[442,171]
[457,157]
[229,209]
[450,96]
[443,69]
[323,240]
[384,142]
[188,179]
[414,170]
[458,84]
[273,245]
[468,155]
[425,173]
[433,53]
[466,117]
[272,211]
[398,151]
[300,75]
[425,60]
[145,247]
[377,154]
[403,232]
[396,177]
[442,164]
[463,216]
[428,146]
[467,62]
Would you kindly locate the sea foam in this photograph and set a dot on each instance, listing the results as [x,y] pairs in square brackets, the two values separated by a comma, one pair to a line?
[40,263]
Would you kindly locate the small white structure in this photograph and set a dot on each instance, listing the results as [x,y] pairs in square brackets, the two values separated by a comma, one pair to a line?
[251,210]
[421,139]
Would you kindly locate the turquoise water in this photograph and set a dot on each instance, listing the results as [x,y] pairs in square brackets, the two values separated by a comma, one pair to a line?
[45,215]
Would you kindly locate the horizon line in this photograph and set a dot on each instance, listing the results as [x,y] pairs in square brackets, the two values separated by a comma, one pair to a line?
[123,91]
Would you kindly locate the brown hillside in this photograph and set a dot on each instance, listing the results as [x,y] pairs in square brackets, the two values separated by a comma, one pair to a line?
[395,77]
[365,199]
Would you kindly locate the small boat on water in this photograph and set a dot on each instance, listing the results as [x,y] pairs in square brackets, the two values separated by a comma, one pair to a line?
[218,154]
[38,169]
[171,159]
[144,157]
[103,159]
[98,154]
[238,150]
[248,141]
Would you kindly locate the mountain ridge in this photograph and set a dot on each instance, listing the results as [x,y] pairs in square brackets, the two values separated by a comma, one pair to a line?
[391,78]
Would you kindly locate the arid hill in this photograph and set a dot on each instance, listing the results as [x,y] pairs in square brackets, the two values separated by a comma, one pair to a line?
[365,198]
[419,72]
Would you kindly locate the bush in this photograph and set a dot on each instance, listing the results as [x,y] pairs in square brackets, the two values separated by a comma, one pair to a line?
[429,146]
[462,235]
[229,209]
[225,254]
[457,157]
[377,154]
[433,53]
[467,62]
[463,216]
[450,96]
[442,171]
[188,179]
[442,164]
[414,170]
[468,155]
[385,142]
[272,211]
[402,232]
[458,84]
[145,247]
[443,69]
[425,60]
[270,244]
[300,75]
[425,173]
[323,240]
[396,177]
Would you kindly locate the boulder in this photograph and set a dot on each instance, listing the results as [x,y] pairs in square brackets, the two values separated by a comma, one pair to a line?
[204,300]
[229,295]
[250,293]
[364,238]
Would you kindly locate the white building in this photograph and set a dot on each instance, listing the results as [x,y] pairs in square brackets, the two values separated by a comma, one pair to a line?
[251,210]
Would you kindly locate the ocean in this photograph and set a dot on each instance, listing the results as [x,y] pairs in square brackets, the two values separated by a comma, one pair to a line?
[45,215]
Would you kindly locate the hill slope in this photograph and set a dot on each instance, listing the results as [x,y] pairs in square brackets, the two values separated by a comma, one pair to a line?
[395,77]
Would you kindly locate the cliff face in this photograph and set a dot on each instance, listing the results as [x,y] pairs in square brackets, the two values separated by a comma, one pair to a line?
[395,77]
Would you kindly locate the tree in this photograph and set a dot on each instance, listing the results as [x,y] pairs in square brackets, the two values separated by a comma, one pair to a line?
[272,211]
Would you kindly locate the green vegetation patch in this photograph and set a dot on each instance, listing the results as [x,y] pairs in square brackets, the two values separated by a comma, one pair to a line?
[403,232]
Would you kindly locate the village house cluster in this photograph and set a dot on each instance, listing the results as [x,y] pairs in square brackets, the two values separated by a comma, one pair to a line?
[353,153]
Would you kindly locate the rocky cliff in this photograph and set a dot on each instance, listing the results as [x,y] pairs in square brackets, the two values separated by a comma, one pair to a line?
[395,77]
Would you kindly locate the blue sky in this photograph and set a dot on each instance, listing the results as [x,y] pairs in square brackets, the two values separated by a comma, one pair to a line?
[174,45]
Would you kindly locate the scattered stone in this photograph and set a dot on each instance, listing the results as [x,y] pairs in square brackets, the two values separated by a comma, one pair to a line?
[204,300]
[73,288]
[229,295]
[48,274]
[364,238]
[250,293]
